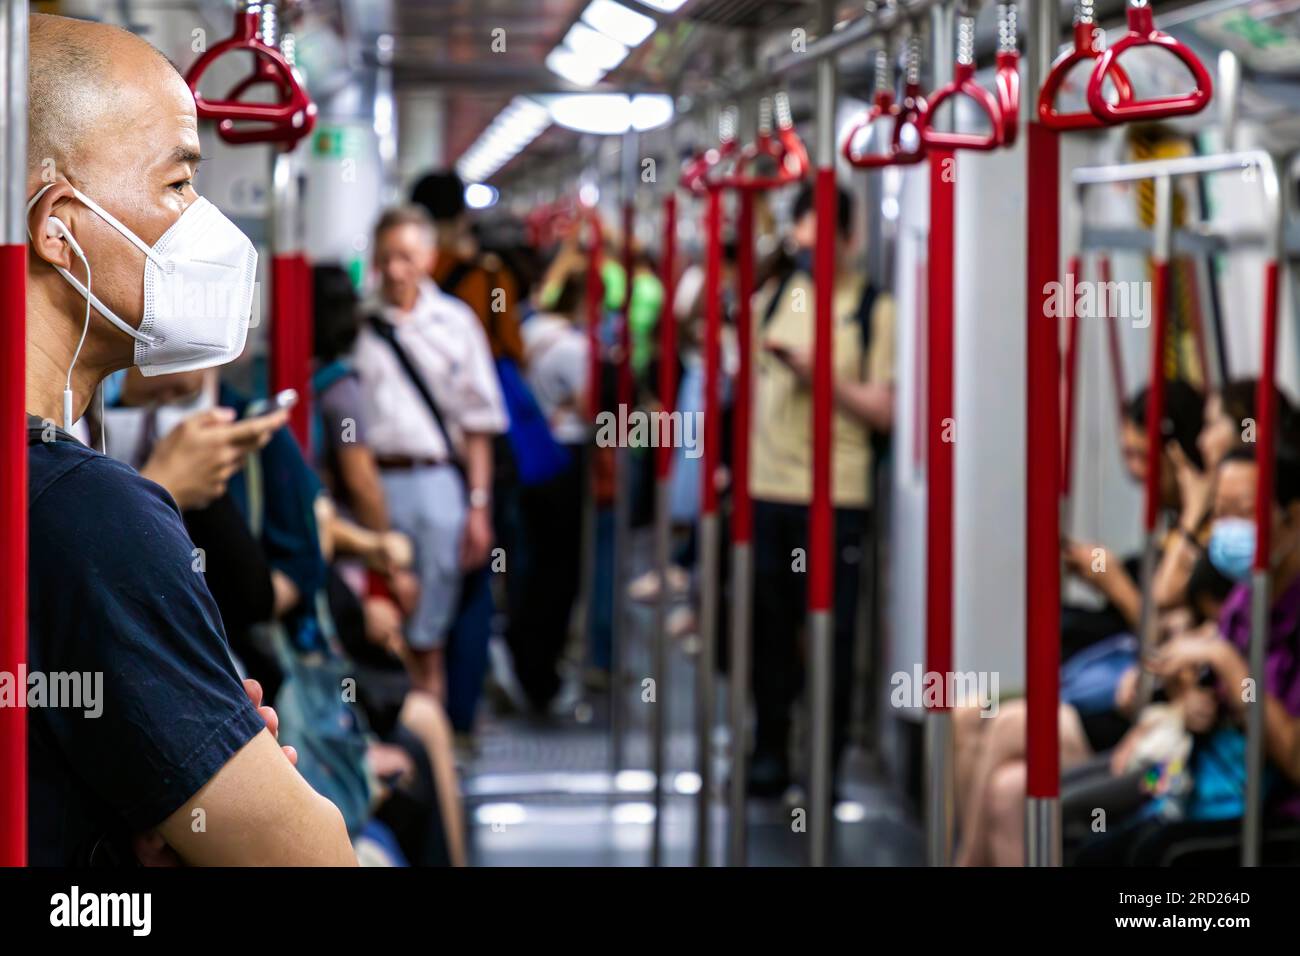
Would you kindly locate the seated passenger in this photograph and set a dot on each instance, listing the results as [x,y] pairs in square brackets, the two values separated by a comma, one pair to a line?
[176,752]
[1214,662]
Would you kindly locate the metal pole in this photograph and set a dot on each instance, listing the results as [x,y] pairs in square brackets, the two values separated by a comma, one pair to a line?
[1260,583]
[821,515]
[663,516]
[13,429]
[1042,453]
[742,522]
[939,438]
[623,455]
[710,531]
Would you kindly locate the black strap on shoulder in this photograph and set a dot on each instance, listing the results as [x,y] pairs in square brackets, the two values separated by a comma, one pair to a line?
[774,302]
[388,334]
[865,315]
[455,277]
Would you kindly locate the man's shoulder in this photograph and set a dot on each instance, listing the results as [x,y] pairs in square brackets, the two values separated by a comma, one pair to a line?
[70,485]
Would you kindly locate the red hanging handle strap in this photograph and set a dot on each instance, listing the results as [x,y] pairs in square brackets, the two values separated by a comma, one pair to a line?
[785,149]
[1085,48]
[963,84]
[286,121]
[1142,32]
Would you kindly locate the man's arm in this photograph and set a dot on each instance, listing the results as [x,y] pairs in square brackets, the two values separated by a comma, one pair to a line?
[360,476]
[477,540]
[257,810]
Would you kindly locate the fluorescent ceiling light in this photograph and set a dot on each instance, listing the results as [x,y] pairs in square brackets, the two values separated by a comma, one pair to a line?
[568,65]
[650,110]
[667,6]
[613,19]
[521,122]
[609,113]
[601,51]
[601,113]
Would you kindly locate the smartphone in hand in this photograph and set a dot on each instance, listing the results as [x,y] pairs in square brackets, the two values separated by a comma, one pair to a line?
[276,403]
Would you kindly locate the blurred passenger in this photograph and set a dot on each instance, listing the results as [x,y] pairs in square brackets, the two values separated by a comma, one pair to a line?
[781,474]
[112,587]
[556,350]
[433,405]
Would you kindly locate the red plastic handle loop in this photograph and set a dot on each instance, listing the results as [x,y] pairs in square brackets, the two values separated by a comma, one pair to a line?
[287,121]
[883,107]
[788,151]
[910,110]
[1085,48]
[1142,32]
[963,84]
[697,176]
[1007,84]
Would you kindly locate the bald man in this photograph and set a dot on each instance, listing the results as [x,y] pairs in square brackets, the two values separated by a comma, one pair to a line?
[166,753]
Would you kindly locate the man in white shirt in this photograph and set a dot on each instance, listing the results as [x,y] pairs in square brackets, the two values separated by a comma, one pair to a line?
[433,404]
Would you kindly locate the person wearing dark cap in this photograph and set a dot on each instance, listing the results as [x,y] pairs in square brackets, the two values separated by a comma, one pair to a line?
[461,269]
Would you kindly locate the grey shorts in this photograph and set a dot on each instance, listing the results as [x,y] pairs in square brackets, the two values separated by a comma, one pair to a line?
[429,505]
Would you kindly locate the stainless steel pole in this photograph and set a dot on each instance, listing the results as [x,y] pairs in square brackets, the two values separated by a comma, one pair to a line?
[821,516]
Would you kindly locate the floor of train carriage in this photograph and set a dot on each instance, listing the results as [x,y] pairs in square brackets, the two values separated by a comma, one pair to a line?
[538,790]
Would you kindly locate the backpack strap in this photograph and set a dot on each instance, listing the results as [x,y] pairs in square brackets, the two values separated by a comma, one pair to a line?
[455,277]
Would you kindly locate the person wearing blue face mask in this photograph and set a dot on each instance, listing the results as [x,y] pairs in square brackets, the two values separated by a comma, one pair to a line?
[119,241]
[1217,654]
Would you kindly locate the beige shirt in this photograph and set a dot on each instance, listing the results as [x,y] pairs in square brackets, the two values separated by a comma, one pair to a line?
[445,341]
[781,456]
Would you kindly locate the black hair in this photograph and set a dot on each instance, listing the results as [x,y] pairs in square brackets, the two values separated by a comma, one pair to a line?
[1184,415]
[1237,399]
[1206,582]
[1286,471]
[442,194]
[334,305]
[806,202]
[572,293]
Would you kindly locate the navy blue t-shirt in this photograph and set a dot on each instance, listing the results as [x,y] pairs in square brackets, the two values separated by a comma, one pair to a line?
[113,590]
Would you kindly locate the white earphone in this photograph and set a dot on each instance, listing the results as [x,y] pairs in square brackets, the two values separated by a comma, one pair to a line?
[55,228]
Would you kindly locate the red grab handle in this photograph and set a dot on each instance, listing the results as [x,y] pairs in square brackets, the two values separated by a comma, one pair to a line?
[696,176]
[1007,84]
[884,106]
[287,121]
[910,110]
[1085,48]
[963,84]
[788,151]
[1142,32]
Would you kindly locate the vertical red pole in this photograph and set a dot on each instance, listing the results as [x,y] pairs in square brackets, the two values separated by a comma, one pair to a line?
[13,423]
[1073,276]
[13,547]
[625,390]
[668,339]
[939,417]
[712,350]
[1156,397]
[741,506]
[1042,484]
[286,323]
[595,313]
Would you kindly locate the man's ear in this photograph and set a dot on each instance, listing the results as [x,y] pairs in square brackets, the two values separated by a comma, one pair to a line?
[48,242]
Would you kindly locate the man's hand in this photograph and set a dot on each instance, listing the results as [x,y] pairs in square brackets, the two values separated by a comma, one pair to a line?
[197,458]
[476,540]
